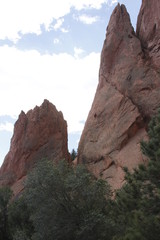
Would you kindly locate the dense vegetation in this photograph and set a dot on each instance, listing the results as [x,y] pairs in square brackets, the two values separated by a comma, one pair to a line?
[61,202]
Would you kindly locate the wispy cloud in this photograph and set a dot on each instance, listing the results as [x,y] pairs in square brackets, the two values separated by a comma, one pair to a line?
[64,30]
[58,24]
[113,2]
[6,127]
[86,19]
[20,17]
[78,52]
[56,41]
[90,4]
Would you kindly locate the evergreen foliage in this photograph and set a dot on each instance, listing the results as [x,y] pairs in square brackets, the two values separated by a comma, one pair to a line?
[5,196]
[73,154]
[137,204]
[152,148]
[21,226]
[66,203]
[63,202]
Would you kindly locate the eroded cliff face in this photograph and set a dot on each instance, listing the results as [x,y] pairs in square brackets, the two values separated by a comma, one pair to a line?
[148,27]
[41,133]
[128,94]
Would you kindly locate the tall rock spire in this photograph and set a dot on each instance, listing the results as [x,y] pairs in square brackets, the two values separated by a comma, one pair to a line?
[120,35]
[128,94]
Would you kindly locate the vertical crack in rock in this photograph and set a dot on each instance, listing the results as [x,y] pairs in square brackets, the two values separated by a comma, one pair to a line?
[127,96]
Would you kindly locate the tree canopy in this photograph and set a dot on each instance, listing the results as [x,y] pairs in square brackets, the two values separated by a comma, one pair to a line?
[64,202]
[137,204]
[5,196]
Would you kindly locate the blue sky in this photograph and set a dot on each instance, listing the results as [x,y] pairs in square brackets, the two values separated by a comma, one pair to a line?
[51,50]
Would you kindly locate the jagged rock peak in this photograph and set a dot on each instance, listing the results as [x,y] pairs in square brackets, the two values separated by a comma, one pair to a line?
[120,40]
[40,133]
[120,17]
[128,95]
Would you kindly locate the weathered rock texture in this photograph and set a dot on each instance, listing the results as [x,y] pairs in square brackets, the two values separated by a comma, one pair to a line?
[41,133]
[128,94]
[148,29]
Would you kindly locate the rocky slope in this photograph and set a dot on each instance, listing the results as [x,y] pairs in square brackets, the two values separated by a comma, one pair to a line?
[41,133]
[128,94]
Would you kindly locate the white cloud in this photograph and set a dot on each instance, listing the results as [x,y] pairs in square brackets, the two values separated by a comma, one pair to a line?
[58,24]
[113,2]
[86,19]
[56,41]
[64,30]
[6,127]
[26,16]
[78,52]
[27,78]
[83,4]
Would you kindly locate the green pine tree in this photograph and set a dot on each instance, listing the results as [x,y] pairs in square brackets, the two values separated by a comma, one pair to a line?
[5,197]
[67,203]
[137,204]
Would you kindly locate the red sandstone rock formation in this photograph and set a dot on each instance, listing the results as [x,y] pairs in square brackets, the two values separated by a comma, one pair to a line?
[128,94]
[148,29]
[41,133]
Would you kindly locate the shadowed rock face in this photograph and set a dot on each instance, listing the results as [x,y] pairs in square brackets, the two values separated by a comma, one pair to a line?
[41,133]
[148,29]
[128,94]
